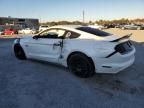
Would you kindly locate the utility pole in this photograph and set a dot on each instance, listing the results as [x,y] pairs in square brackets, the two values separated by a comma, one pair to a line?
[40,20]
[83,13]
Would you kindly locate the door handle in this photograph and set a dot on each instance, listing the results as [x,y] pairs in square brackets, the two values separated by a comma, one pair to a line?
[57,44]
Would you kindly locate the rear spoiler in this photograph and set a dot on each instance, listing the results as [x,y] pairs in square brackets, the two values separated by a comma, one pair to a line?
[122,38]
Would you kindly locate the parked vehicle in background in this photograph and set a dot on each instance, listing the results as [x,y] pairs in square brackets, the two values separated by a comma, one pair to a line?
[10,32]
[109,25]
[44,27]
[141,26]
[100,27]
[118,25]
[131,27]
[27,31]
[1,31]
[84,50]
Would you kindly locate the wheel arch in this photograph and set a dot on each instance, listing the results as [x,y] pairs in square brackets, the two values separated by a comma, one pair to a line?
[18,45]
[81,53]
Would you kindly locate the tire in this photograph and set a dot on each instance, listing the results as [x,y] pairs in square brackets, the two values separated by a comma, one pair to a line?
[19,52]
[81,65]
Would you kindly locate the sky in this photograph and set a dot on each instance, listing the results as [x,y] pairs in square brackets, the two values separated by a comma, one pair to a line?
[71,10]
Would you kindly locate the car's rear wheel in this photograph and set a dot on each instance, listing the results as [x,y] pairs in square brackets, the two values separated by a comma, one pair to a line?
[19,53]
[81,65]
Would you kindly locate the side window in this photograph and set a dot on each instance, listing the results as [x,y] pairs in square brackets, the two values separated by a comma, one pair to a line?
[53,33]
[60,33]
[72,35]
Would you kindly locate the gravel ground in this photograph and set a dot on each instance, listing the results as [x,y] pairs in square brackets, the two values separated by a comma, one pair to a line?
[33,84]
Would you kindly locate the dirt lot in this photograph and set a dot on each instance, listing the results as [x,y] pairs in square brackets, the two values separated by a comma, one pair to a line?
[33,84]
[138,35]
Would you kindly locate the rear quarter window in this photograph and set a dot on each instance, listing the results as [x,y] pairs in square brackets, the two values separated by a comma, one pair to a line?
[94,31]
[72,35]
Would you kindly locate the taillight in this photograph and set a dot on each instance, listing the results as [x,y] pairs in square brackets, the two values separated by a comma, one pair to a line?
[124,47]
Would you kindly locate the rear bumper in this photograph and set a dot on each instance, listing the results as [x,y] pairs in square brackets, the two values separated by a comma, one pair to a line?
[115,63]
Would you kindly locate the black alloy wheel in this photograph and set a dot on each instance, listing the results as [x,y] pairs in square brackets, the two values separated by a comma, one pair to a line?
[81,66]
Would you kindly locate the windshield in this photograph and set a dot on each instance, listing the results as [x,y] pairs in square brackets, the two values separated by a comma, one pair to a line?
[94,31]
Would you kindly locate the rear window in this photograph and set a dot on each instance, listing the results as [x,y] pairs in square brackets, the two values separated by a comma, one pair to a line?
[94,31]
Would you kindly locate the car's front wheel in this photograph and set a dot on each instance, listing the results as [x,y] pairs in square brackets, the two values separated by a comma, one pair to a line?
[81,66]
[19,53]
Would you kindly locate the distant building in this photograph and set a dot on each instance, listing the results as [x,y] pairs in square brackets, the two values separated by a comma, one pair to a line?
[22,22]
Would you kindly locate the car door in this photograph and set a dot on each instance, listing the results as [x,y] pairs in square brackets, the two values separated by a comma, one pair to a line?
[47,45]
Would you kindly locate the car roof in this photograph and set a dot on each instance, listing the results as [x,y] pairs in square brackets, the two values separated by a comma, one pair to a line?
[67,26]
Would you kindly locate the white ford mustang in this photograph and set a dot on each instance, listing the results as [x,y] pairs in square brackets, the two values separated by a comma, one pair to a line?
[84,50]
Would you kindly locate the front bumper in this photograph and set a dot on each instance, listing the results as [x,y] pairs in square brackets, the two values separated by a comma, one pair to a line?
[115,63]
